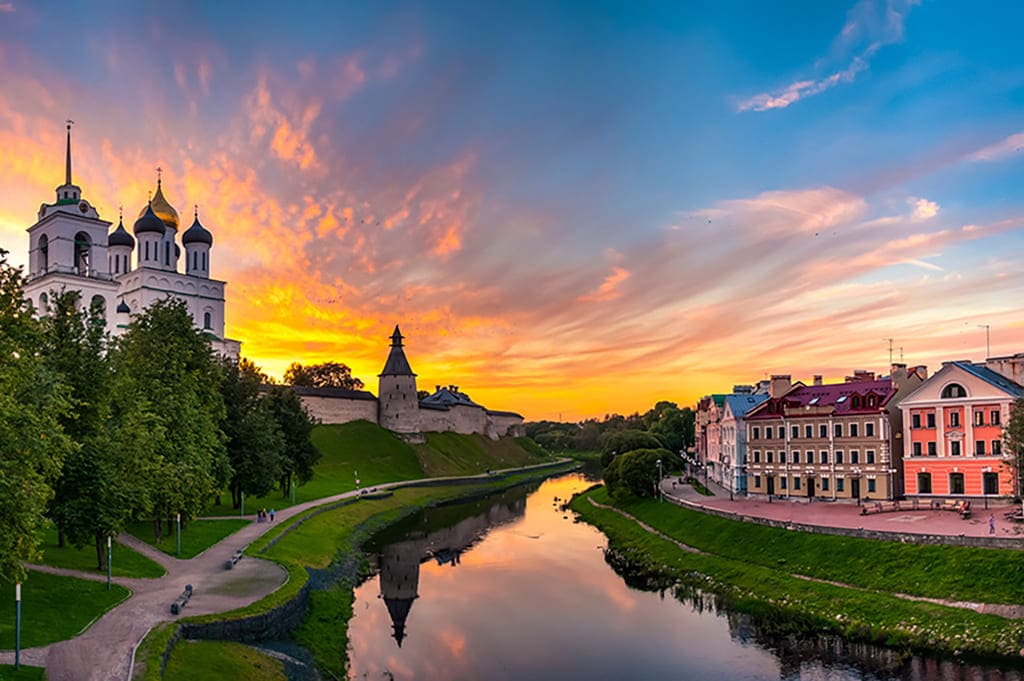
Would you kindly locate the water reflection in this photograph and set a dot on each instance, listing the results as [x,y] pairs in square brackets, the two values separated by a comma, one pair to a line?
[511,588]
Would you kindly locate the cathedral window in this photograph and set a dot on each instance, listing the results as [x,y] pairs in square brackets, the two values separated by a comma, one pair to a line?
[206,320]
[147,251]
[204,261]
[44,253]
[167,252]
[98,307]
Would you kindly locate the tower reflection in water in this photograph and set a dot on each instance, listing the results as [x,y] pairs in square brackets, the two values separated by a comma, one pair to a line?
[399,562]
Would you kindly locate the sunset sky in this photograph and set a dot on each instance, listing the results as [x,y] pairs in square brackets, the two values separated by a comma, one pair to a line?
[571,208]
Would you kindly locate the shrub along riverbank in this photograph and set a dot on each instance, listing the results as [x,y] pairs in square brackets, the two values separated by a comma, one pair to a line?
[754,568]
[330,541]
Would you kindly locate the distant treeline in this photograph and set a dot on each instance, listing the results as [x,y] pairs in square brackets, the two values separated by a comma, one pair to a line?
[671,425]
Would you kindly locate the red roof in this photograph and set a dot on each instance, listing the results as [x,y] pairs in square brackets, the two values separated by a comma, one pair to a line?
[855,397]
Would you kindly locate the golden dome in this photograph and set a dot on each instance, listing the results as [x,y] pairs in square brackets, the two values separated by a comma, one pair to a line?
[164,210]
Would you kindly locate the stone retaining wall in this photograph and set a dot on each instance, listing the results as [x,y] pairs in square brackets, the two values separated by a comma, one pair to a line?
[881,535]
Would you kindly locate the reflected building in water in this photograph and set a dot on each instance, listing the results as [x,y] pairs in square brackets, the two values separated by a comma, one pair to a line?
[399,562]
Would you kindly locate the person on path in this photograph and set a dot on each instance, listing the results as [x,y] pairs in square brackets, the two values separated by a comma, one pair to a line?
[991,523]
[271,515]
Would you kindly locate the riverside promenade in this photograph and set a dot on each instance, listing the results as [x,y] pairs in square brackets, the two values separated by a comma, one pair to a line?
[104,651]
[847,515]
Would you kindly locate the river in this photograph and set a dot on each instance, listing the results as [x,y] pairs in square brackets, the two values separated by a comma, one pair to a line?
[511,588]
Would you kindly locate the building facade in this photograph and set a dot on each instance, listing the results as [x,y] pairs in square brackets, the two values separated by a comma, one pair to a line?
[835,441]
[118,275]
[953,425]
[734,437]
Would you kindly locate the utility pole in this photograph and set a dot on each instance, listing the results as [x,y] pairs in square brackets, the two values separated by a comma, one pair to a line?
[988,345]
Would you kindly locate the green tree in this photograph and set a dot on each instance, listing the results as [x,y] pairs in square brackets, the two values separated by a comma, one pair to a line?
[623,441]
[167,368]
[102,483]
[638,471]
[32,443]
[253,440]
[1013,439]
[324,375]
[296,425]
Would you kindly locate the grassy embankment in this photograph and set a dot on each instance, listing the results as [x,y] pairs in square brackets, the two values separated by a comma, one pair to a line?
[210,661]
[753,567]
[196,536]
[379,457]
[7,673]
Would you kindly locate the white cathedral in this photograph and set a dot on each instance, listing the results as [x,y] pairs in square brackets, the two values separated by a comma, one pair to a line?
[71,248]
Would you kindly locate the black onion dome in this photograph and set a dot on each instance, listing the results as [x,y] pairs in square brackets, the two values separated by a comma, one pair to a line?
[149,222]
[120,237]
[197,234]
[123,308]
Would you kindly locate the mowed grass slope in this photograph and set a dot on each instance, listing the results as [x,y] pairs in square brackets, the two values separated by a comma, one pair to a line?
[217,660]
[125,563]
[196,536]
[447,454]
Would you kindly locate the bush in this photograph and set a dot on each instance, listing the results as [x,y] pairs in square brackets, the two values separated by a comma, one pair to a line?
[636,472]
[623,441]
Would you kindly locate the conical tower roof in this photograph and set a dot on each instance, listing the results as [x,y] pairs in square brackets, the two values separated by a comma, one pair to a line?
[397,364]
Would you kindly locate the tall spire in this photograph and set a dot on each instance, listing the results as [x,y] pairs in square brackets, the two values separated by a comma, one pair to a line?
[67,167]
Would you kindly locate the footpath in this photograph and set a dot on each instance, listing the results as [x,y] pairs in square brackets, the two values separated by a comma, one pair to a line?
[847,515]
[104,651]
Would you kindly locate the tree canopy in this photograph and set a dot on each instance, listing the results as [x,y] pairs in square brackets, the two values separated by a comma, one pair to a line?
[324,375]
[674,428]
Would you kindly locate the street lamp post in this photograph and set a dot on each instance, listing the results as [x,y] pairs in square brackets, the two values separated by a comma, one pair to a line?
[17,626]
[108,562]
[179,535]
[660,493]
[293,491]
[243,504]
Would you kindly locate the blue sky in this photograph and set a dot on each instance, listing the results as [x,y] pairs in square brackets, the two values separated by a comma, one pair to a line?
[546,195]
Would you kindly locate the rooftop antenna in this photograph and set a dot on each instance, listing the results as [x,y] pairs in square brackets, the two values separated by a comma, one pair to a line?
[988,346]
[901,354]
[890,349]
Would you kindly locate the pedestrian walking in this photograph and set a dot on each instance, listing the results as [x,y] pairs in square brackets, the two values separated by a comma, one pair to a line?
[271,515]
[991,523]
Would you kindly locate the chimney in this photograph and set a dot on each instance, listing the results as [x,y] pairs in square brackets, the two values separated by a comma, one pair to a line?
[742,390]
[1011,367]
[437,388]
[780,383]
[860,375]
[818,379]
[762,388]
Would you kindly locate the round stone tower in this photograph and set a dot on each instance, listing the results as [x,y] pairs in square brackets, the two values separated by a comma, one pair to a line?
[397,404]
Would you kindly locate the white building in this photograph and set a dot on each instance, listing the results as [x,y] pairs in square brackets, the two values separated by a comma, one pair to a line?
[71,247]
[734,436]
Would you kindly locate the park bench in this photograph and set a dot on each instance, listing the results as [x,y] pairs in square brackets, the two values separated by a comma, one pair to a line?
[230,563]
[879,507]
[961,507]
[182,600]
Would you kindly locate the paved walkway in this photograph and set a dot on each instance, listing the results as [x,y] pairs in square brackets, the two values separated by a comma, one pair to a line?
[847,514]
[104,651]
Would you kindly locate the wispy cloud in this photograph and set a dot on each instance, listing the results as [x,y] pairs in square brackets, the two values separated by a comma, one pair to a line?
[870,25]
[7,7]
[1008,146]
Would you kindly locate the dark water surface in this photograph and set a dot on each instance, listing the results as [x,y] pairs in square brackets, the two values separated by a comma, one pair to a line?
[510,588]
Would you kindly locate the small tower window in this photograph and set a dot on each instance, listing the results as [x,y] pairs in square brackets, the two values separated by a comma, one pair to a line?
[44,253]
[206,320]
[44,302]
[204,261]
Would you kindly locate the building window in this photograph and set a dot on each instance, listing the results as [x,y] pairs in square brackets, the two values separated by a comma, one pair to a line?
[824,456]
[769,457]
[916,449]
[824,484]
[870,456]
[757,481]
[147,251]
[997,448]
[757,457]
[840,484]
[979,448]
[871,486]
[809,456]
[990,483]
[796,483]
[869,429]
[853,430]
[823,430]
[856,402]
[954,419]
[768,433]
[204,261]
[931,449]
[956,483]
[794,432]
[783,481]
[871,401]
[924,483]
[98,307]
[993,417]
[931,419]
[854,456]
[954,448]
[953,390]
[915,420]
[44,253]
[979,418]
[206,321]
[837,430]
[796,457]
[808,431]
[756,433]
[782,457]
[839,456]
